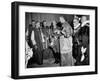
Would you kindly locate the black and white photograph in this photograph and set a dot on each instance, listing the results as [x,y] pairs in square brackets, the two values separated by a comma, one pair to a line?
[51,40]
[56,40]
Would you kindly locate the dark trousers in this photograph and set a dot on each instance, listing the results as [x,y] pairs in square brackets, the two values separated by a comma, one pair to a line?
[56,55]
[77,53]
[37,57]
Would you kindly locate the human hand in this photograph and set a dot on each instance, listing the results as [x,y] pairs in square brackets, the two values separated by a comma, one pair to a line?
[83,50]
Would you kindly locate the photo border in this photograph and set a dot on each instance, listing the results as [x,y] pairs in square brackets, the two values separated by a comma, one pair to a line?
[15,39]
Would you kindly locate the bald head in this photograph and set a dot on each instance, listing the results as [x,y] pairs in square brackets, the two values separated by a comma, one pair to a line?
[83,19]
[62,20]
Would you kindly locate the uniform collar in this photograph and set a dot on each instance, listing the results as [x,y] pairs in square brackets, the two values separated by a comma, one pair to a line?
[77,26]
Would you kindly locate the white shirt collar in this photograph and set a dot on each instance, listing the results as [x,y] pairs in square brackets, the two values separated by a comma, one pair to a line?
[84,23]
[77,26]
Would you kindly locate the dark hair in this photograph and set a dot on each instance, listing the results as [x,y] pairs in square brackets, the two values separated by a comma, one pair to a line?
[76,19]
[42,23]
[33,20]
[51,26]
[59,25]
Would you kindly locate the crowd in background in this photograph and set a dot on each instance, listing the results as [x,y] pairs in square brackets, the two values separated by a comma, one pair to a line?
[69,45]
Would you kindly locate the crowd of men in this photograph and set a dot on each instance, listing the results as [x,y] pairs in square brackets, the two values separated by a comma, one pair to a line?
[69,45]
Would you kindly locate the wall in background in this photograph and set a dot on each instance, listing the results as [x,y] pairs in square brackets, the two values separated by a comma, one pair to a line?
[49,17]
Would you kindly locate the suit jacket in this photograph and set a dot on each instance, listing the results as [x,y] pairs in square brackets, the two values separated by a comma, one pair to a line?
[84,40]
[37,39]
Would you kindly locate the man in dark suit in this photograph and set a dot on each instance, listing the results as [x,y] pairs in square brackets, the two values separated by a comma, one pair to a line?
[83,47]
[29,41]
[36,38]
[29,29]
[85,40]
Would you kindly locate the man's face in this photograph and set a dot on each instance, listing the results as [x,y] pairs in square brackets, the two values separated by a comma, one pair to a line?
[62,20]
[45,23]
[33,23]
[37,25]
[83,19]
[75,22]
